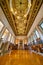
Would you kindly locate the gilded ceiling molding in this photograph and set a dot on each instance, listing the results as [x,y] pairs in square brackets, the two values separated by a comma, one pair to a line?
[21,25]
[7,13]
[36,8]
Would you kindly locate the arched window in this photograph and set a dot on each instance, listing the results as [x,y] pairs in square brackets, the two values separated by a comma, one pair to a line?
[9,38]
[5,34]
[41,25]
[1,26]
[36,32]
[12,39]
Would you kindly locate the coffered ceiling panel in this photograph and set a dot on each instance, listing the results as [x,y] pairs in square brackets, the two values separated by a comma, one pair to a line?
[20,14]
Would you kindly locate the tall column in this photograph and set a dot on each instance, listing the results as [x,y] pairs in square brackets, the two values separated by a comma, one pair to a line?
[41,35]
[2,32]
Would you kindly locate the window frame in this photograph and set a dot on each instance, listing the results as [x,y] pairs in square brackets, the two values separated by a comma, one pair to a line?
[4,32]
[36,34]
[3,26]
[39,25]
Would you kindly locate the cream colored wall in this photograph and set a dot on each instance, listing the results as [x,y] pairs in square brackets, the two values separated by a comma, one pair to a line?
[5,22]
[37,20]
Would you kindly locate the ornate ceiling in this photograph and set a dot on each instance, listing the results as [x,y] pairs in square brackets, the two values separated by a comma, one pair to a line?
[20,14]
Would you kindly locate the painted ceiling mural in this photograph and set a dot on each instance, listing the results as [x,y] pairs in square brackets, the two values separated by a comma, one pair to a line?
[20,14]
[20,10]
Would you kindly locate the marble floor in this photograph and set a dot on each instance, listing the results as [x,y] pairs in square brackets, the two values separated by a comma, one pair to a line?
[21,57]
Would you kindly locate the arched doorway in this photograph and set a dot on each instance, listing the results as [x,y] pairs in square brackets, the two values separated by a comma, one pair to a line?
[21,45]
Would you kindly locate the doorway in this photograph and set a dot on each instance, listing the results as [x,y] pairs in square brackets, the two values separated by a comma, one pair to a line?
[21,45]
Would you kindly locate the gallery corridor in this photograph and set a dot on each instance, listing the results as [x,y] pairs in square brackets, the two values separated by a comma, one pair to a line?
[21,32]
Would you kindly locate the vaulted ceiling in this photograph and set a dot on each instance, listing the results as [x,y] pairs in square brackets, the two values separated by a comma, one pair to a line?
[20,14]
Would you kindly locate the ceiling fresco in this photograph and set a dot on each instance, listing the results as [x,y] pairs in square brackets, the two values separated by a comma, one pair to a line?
[20,14]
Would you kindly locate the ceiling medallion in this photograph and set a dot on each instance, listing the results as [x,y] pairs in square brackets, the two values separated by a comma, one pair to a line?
[17,7]
[20,10]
